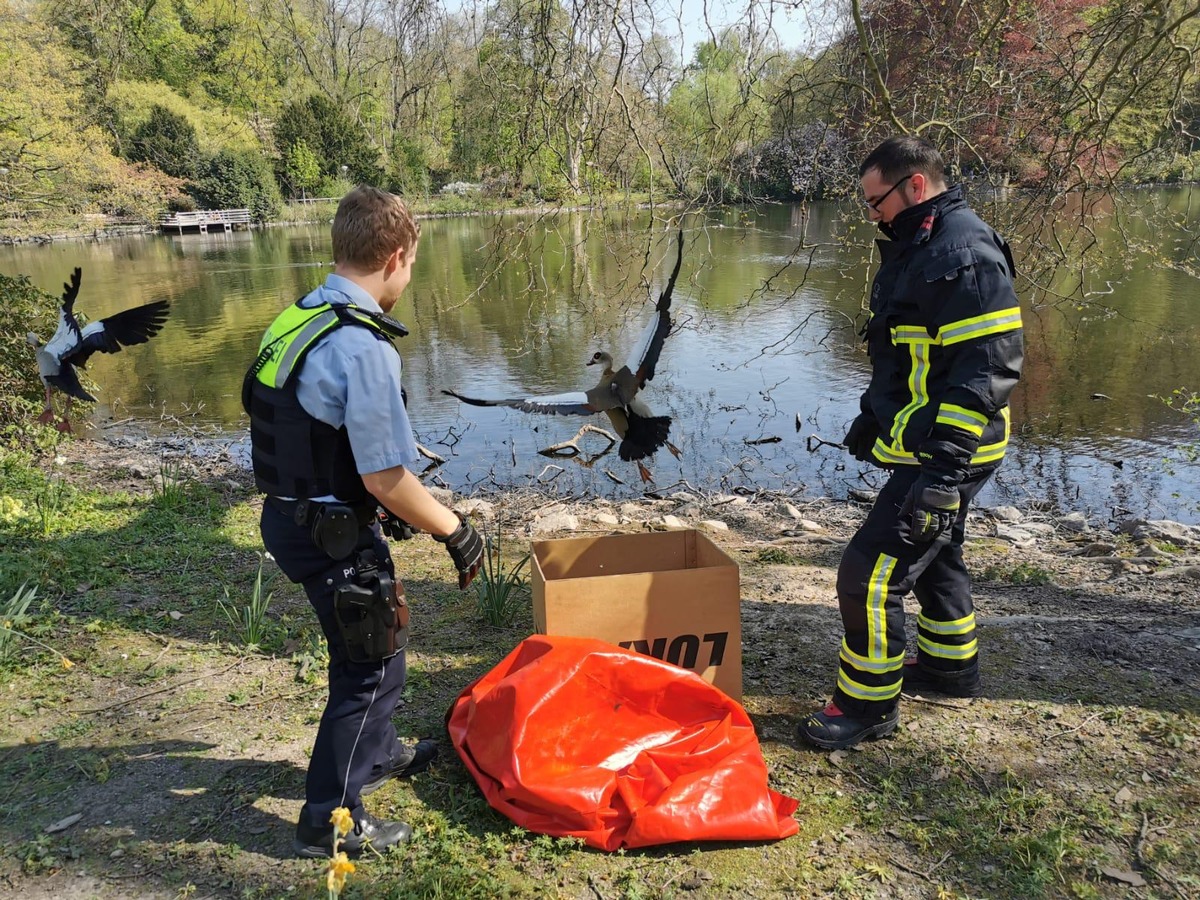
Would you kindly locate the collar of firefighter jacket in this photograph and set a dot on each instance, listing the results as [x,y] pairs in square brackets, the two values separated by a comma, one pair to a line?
[908,225]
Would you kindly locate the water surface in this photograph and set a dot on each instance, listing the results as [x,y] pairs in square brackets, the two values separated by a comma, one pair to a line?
[767,305]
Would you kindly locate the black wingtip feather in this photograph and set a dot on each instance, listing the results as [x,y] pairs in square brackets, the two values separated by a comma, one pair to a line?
[470,400]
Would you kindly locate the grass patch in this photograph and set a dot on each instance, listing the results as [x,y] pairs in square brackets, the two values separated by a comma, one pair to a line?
[195,750]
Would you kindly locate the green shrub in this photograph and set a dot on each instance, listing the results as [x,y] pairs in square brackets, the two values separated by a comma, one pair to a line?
[239,180]
[26,309]
[166,141]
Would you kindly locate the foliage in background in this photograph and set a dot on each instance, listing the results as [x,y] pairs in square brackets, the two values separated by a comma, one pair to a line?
[572,100]
[239,180]
[26,309]
[332,138]
[167,141]
[810,162]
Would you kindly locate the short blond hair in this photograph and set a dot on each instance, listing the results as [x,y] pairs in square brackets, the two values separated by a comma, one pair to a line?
[369,226]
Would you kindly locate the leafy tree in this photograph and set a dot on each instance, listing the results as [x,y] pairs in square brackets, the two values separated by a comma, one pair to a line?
[334,138]
[302,169]
[59,164]
[714,114]
[233,180]
[491,113]
[166,141]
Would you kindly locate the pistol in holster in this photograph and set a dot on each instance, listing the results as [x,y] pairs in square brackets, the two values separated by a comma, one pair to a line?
[371,612]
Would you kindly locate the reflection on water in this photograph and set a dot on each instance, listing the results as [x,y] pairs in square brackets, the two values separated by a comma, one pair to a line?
[767,308]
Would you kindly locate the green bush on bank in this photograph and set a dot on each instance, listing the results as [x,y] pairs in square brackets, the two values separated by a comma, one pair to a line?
[26,309]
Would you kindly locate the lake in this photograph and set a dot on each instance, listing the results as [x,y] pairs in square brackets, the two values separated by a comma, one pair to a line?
[767,309]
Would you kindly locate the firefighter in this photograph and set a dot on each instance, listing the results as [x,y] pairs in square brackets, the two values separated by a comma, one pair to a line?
[333,450]
[945,342]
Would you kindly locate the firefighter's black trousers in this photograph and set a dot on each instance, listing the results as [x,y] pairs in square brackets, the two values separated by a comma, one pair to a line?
[879,567]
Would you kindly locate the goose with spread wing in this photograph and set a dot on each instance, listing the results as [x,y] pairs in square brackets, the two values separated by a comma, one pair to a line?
[72,346]
[617,393]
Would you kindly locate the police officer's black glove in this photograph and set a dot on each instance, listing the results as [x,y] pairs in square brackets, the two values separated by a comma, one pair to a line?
[933,508]
[860,439]
[393,526]
[466,549]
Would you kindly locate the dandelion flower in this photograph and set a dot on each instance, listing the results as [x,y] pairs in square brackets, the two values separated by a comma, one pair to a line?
[342,820]
[335,878]
[67,664]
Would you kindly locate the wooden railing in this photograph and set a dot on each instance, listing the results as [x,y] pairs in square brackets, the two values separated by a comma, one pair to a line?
[204,219]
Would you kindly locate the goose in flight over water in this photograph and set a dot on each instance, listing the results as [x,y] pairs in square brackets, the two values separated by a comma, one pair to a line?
[72,346]
[617,393]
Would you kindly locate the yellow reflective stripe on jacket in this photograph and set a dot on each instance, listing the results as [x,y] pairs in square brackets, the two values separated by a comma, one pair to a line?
[912,334]
[918,386]
[891,455]
[980,326]
[961,417]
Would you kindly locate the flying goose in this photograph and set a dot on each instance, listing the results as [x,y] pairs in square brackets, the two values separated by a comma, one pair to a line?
[72,346]
[616,394]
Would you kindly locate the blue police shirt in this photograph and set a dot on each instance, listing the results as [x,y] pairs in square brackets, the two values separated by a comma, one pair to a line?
[352,378]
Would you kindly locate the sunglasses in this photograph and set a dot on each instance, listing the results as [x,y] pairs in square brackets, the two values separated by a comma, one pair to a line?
[874,204]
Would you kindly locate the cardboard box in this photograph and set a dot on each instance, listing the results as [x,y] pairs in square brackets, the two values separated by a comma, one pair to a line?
[673,595]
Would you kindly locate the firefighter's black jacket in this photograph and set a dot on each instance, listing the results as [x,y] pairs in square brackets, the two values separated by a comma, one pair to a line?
[945,340]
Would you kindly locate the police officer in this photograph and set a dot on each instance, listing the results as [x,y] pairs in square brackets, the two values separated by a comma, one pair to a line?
[944,337]
[333,450]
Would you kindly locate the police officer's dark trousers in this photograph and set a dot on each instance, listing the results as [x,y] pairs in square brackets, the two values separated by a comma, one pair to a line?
[356,740]
[878,569]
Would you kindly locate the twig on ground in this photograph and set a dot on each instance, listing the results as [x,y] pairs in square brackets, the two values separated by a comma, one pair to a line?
[154,662]
[162,690]
[1089,719]
[918,699]
[572,448]
[926,875]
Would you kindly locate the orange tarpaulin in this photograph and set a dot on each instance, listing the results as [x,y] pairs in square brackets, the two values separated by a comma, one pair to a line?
[573,736]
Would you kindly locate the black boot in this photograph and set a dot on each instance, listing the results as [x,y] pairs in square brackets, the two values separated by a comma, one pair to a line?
[834,730]
[416,759]
[316,843]
[919,679]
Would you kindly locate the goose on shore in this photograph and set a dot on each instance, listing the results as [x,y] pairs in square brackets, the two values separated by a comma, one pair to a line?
[617,393]
[72,346]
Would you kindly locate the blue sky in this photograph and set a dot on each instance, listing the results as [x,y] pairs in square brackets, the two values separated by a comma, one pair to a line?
[790,22]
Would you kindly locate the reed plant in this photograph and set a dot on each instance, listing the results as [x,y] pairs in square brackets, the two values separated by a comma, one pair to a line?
[249,619]
[500,591]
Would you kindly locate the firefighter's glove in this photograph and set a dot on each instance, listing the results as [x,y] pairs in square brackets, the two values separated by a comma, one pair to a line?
[934,509]
[466,549]
[860,439]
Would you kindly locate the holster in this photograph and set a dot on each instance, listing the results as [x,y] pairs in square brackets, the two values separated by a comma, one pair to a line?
[371,612]
[335,527]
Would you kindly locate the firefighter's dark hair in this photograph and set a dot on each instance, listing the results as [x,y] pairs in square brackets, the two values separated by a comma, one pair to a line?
[903,155]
